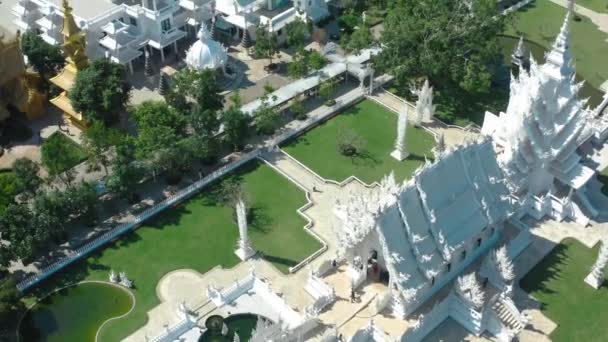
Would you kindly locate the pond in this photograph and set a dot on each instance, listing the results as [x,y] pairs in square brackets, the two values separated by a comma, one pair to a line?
[509,43]
[242,324]
[74,313]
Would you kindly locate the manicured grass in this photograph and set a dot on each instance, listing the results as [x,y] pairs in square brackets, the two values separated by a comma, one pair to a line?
[200,234]
[77,153]
[600,6]
[541,21]
[557,283]
[318,149]
[57,318]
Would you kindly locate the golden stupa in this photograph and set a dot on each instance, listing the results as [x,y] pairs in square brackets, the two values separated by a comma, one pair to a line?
[19,87]
[74,45]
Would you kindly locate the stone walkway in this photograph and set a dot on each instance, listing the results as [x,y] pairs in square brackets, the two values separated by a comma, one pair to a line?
[599,19]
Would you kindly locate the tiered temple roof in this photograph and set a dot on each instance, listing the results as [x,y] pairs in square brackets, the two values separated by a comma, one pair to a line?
[447,205]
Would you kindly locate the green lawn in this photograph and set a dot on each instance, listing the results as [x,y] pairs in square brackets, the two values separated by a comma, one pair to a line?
[318,149]
[200,234]
[541,21]
[600,6]
[77,153]
[557,283]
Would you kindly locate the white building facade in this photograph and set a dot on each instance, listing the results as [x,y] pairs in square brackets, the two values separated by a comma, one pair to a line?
[121,29]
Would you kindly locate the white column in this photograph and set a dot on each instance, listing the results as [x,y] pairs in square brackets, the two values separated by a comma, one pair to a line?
[244,250]
[131,67]
[175,47]
[400,152]
[162,54]
[596,277]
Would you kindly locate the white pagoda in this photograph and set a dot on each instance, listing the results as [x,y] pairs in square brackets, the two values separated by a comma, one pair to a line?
[544,125]
[206,53]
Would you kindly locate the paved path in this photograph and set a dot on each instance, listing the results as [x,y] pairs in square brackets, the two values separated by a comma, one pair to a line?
[599,19]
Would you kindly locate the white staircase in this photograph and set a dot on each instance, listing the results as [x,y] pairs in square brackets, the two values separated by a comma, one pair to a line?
[508,314]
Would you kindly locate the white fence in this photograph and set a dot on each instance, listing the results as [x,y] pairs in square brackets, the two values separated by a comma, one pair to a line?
[173,333]
[135,222]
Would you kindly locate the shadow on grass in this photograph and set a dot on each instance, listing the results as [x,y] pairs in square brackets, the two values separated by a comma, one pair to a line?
[549,269]
[260,219]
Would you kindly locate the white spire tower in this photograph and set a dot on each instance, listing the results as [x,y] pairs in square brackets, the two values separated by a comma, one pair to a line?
[596,277]
[543,124]
[400,152]
[244,250]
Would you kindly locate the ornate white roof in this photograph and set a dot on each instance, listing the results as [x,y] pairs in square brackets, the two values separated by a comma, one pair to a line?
[446,205]
[206,53]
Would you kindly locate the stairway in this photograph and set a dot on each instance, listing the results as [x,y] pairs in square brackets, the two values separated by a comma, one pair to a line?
[507,317]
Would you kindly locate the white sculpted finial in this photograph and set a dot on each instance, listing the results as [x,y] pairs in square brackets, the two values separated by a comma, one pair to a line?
[596,277]
[400,152]
[244,249]
[425,110]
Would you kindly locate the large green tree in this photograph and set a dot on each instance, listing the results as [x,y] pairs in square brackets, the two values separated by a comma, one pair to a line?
[266,43]
[97,141]
[26,172]
[126,173]
[101,91]
[44,57]
[190,88]
[453,43]
[297,32]
[10,304]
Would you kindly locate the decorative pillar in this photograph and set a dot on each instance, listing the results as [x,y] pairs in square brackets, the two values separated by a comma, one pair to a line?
[244,250]
[163,84]
[148,72]
[596,277]
[400,152]
[371,81]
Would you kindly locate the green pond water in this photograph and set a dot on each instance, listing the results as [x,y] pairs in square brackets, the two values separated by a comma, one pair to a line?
[243,324]
[588,91]
[74,313]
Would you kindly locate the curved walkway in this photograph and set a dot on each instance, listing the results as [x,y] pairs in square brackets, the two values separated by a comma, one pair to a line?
[599,19]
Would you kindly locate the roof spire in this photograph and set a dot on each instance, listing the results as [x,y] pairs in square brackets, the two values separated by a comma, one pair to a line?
[560,56]
[74,43]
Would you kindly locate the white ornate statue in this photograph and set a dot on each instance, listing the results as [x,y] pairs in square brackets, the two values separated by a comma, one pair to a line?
[425,110]
[244,250]
[114,277]
[468,289]
[596,277]
[124,281]
[400,152]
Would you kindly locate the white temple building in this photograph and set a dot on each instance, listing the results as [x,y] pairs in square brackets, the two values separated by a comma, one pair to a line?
[206,53]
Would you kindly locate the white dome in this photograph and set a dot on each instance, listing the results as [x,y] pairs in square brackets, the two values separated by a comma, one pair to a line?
[206,53]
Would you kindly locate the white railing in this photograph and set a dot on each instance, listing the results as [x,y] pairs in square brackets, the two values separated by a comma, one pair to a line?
[82,251]
[172,333]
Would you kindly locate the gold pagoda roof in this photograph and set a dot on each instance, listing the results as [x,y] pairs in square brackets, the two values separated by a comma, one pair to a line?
[65,79]
[63,102]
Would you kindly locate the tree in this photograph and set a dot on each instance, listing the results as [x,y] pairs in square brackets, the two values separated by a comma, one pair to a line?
[125,172]
[160,130]
[58,158]
[297,31]
[45,58]
[266,118]
[297,108]
[26,172]
[81,201]
[299,65]
[236,127]
[101,91]
[315,60]
[266,43]
[193,85]
[350,144]
[204,122]
[97,141]
[453,43]
[360,39]
[10,302]
[326,90]
[17,228]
